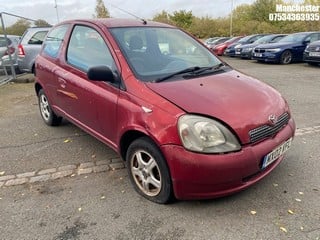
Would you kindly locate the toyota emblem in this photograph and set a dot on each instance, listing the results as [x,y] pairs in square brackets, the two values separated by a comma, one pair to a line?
[273,119]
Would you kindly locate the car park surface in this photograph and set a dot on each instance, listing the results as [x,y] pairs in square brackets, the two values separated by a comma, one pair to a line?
[171,141]
[288,49]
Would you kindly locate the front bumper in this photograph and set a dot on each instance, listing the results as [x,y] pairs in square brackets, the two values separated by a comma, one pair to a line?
[202,176]
[266,57]
[307,58]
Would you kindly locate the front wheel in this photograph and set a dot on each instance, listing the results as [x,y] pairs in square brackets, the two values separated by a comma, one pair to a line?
[286,57]
[148,171]
[48,116]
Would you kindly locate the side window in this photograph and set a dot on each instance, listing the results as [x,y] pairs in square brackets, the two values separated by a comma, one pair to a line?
[313,37]
[38,37]
[54,41]
[87,48]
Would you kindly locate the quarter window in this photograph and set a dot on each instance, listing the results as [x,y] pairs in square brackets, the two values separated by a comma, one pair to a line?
[38,37]
[87,49]
[54,41]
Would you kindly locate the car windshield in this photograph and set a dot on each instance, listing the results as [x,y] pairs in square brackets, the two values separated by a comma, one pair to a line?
[4,41]
[155,53]
[264,39]
[297,37]
[245,39]
[231,39]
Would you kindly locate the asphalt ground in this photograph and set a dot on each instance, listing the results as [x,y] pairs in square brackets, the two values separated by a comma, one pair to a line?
[284,205]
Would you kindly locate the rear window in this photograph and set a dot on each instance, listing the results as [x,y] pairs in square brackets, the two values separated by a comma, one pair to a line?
[4,42]
[38,37]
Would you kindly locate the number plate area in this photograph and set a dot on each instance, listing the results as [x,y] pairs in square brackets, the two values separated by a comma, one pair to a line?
[314,54]
[257,54]
[276,153]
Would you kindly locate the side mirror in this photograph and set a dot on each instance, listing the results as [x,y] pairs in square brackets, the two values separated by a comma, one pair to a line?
[101,73]
[306,42]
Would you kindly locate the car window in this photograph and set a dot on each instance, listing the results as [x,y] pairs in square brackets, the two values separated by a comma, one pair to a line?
[313,37]
[4,42]
[87,49]
[153,52]
[38,37]
[54,40]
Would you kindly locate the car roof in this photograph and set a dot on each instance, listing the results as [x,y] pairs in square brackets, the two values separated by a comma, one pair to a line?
[119,22]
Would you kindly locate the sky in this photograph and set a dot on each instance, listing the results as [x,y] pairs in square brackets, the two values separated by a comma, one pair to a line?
[147,9]
[70,9]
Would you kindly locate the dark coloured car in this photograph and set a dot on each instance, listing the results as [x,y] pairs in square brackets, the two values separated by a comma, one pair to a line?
[220,48]
[311,54]
[30,46]
[288,49]
[180,118]
[246,49]
[230,51]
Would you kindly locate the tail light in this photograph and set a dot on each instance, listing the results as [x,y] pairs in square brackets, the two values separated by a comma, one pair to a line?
[10,51]
[21,52]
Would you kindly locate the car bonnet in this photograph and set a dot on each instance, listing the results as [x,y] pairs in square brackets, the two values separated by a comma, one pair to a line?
[242,102]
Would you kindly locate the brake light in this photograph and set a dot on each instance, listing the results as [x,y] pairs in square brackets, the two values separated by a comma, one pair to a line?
[21,52]
[10,51]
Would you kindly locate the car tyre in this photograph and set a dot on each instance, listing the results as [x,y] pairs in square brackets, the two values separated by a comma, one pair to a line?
[148,171]
[286,57]
[48,116]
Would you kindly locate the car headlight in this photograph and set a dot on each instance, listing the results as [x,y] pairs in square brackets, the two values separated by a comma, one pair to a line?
[273,50]
[201,134]
[307,49]
[247,50]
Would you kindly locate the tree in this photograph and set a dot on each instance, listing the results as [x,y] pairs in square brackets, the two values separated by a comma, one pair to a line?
[101,10]
[19,27]
[163,17]
[42,23]
[182,19]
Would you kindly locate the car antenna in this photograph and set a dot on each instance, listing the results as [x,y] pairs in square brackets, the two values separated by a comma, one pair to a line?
[131,14]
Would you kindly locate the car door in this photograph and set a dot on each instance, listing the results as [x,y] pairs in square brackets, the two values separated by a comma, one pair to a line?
[90,104]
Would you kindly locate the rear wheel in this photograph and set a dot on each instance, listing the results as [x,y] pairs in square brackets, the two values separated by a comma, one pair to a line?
[48,116]
[286,57]
[148,171]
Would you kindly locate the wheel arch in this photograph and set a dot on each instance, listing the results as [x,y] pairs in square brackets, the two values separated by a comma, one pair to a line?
[37,87]
[127,138]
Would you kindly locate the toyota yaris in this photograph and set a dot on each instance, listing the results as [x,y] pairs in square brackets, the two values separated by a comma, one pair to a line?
[187,125]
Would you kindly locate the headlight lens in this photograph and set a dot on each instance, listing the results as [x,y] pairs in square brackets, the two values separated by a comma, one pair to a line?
[201,134]
[273,50]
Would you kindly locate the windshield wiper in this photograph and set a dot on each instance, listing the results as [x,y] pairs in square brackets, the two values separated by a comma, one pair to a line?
[186,70]
[192,71]
[205,70]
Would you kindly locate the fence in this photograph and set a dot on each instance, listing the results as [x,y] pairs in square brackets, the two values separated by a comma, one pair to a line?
[8,49]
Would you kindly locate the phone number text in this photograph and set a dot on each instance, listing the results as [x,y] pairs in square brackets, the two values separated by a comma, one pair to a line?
[294,16]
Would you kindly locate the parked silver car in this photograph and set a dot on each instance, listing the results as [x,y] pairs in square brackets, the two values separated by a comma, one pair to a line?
[8,46]
[30,46]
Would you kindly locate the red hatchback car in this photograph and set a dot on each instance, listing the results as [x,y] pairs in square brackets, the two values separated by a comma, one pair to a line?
[186,124]
[219,49]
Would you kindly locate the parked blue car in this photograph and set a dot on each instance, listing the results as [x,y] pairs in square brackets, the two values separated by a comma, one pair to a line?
[245,51]
[288,49]
[230,51]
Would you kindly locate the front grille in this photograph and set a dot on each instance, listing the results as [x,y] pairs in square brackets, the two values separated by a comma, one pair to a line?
[266,131]
[258,50]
